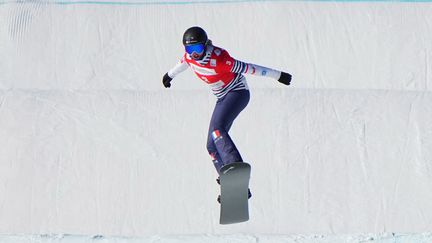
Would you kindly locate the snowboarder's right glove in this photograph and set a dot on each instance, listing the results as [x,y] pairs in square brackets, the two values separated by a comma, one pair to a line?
[166,80]
[285,78]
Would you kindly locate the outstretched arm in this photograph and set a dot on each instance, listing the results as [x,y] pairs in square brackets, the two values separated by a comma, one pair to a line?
[253,69]
[180,67]
[232,65]
[249,68]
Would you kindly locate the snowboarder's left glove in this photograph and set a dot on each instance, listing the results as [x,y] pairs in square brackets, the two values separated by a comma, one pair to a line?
[285,78]
[166,80]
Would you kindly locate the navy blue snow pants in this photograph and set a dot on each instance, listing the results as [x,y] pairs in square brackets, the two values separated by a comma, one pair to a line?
[219,144]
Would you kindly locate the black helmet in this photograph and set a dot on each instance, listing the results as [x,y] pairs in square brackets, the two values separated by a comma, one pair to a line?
[194,35]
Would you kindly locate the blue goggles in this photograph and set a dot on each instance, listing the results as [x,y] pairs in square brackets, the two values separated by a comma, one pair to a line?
[198,48]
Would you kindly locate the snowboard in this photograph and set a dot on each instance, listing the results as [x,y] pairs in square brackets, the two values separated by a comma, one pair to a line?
[234,180]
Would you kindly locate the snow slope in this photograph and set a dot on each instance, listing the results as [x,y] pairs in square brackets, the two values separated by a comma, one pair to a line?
[92,144]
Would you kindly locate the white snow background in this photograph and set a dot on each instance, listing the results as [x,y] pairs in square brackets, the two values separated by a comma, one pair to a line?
[94,149]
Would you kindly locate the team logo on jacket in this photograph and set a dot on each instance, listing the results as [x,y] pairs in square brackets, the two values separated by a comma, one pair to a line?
[217,52]
[213,62]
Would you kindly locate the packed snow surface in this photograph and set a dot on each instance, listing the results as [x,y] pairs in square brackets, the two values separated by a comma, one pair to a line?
[92,144]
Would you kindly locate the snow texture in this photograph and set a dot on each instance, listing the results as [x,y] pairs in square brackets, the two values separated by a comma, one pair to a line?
[235,238]
[92,144]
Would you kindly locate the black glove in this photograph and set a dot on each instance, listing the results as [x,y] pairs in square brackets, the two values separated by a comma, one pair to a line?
[166,80]
[285,78]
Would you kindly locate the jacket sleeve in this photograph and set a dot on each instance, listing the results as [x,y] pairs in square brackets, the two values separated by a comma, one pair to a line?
[254,69]
[232,65]
[178,68]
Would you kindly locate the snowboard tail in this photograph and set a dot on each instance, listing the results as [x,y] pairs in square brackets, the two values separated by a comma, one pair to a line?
[234,179]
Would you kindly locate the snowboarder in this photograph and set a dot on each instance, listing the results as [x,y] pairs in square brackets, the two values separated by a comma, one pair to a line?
[224,74]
